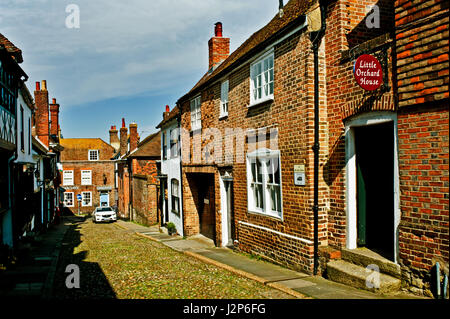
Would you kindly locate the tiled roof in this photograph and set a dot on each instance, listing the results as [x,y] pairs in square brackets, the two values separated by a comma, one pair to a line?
[149,147]
[15,52]
[293,10]
[86,143]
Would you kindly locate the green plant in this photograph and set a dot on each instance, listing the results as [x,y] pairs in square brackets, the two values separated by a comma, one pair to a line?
[171,228]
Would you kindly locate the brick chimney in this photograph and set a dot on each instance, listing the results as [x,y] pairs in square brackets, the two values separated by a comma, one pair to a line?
[133,137]
[54,118]
[42,112]
[166,113]
[219,47]
[123,138]
[114,138]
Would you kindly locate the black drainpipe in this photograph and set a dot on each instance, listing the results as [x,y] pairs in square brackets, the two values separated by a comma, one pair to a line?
[316,38]
[181,168]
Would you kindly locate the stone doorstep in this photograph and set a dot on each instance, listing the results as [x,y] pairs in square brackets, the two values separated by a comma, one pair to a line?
[353,275]
[365,257]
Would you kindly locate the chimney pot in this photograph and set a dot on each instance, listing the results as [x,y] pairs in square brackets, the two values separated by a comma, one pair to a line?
[167,108]
[53,101]
[38,86]
[218,30]
[123,122]
[44,85]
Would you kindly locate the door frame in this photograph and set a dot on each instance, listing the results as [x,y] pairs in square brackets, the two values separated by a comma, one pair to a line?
[351,177]
[225,209]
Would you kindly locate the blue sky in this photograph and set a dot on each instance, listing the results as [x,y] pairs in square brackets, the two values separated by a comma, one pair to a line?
[128,58]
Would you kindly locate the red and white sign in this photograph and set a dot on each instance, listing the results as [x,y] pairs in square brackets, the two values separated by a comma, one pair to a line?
[368,72]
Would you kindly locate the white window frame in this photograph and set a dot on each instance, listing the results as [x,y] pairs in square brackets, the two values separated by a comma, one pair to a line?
[93,152]
[65,200]
[65,182]
[83,198]
[86,180]
[164,145]
[224,89]
[196,114]
[174,193]
[266,157]
[173,142]
[262,76]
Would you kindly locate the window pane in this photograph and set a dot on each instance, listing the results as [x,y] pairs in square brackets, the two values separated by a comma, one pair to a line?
[273,198]
[253,172]
[278,194]
[276,170]
[259,173]
[270,171]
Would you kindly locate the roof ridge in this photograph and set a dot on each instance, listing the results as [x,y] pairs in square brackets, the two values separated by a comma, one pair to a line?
[292,10]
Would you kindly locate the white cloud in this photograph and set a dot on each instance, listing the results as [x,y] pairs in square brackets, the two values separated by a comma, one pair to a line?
[123,48]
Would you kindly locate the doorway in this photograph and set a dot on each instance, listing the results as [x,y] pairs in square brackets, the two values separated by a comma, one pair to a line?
[372,183]
[104,198]
[206,206]
[374,147]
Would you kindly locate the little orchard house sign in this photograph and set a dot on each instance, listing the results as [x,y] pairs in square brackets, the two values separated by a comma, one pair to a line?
[368,72]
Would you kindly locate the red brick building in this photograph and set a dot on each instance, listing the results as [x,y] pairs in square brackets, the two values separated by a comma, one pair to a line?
[287,157]
[88,172]
[137,168]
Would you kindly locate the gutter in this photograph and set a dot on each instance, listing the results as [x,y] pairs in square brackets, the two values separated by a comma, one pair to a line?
[316,37]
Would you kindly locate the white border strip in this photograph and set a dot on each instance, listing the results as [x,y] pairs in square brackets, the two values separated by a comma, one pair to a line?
[277,232]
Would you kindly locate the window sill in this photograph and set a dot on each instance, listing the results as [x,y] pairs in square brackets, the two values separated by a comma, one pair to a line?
[260,213]
[223,116]
[262,101]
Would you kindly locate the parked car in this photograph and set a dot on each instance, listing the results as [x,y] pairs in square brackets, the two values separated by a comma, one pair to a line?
[104,214]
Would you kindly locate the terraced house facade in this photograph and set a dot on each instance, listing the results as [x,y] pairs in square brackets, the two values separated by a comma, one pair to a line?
[87,174]
[284,155]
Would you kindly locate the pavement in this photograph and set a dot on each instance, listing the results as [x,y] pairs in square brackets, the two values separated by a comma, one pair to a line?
[297,284]
[33,273]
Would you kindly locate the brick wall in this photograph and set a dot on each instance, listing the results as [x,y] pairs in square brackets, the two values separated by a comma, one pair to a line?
[424,175]
[145,167]
[346,30]
[145,201]
[422,41]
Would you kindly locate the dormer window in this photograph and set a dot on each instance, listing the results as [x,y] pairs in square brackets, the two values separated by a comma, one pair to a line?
[93,155]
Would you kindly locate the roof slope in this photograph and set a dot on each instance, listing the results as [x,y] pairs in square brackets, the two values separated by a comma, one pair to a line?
[173,114]
[149,147]
[15,52]
[84,143]
[293,10]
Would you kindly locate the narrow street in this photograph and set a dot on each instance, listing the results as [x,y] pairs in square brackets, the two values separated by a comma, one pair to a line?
[115,263]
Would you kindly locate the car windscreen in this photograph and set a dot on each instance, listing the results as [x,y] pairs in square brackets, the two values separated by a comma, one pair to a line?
[104,209]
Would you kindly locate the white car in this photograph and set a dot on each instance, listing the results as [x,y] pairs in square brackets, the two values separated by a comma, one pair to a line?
[104,214]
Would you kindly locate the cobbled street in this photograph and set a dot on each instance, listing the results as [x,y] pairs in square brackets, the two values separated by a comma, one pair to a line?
[116,263]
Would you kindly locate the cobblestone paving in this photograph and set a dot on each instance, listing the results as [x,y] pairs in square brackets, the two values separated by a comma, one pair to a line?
[116,263]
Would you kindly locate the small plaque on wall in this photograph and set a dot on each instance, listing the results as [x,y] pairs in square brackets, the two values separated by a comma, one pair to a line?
[299,175]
